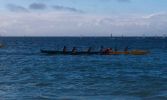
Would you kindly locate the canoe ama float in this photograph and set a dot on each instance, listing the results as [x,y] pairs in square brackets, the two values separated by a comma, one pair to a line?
[133,52]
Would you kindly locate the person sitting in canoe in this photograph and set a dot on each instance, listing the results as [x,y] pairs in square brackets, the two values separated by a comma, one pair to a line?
[126,49]
[64,49]
[89,50]
[74,50]
[108,51]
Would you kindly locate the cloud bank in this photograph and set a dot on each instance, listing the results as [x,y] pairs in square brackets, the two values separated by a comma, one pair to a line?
[76,24]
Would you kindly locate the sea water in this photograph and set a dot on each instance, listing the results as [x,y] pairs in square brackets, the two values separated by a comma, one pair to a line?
[26,74]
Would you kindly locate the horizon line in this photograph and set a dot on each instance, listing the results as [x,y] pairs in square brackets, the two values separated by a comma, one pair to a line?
[88,36]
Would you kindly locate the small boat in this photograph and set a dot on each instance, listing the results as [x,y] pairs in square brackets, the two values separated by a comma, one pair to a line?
[134,52]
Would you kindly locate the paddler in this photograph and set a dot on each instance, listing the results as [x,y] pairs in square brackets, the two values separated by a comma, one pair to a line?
[126,49]
[74,50]
[108,51]
[89,50]
[64,49]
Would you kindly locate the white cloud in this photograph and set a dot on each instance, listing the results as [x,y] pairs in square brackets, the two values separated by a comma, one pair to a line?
[76,24]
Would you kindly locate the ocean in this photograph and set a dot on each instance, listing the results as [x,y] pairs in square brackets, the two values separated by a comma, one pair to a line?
[26,74]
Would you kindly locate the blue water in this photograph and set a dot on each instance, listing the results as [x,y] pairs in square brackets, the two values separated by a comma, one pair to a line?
[26,74]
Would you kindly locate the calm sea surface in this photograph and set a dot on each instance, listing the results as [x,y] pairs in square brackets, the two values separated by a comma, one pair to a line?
[26,74]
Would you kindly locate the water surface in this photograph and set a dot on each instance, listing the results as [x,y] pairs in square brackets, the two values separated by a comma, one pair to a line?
[26,74]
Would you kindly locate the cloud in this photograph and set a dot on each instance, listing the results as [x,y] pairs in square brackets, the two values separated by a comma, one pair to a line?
[41,6]
[63,8]
[76,24]
[16,8]
[37,6]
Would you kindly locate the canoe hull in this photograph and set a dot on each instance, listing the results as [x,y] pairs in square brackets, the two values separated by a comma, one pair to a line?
[134,52]
[68,52]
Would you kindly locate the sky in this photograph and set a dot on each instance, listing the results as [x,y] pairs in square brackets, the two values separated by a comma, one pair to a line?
[83,17]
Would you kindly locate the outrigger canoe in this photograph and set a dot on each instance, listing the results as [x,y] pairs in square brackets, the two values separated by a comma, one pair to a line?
[133,52]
